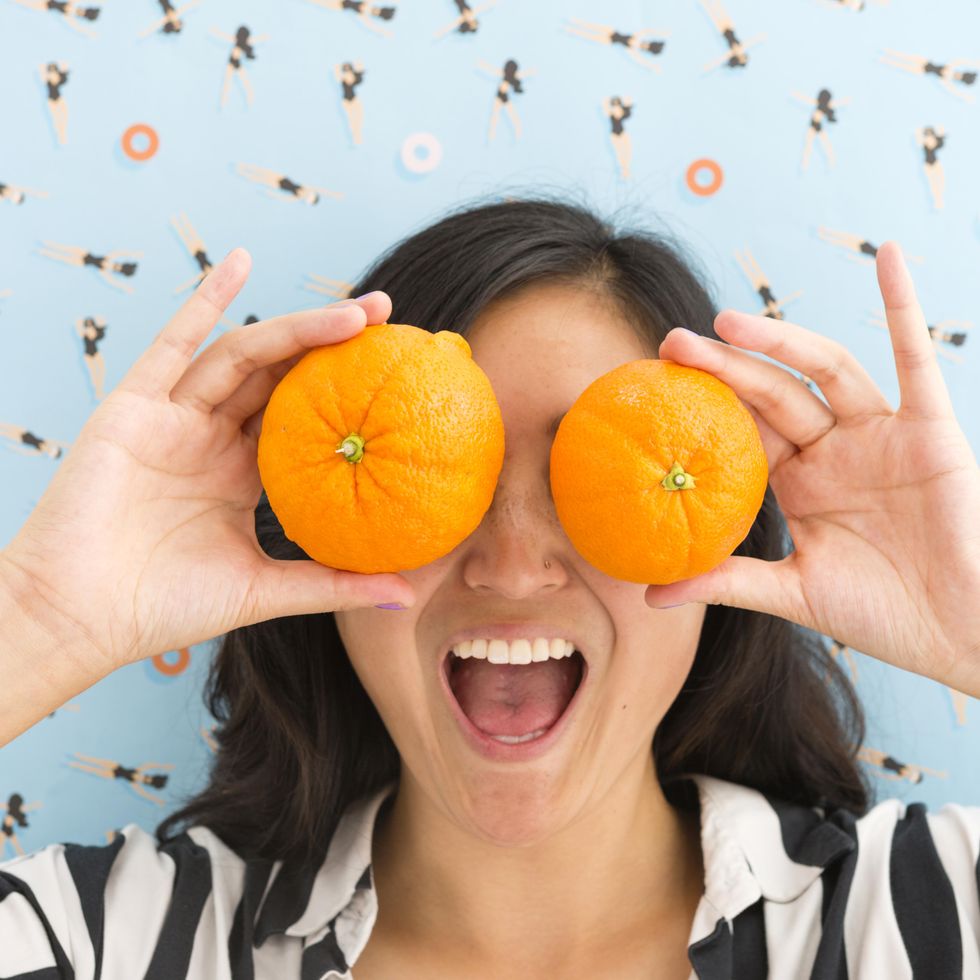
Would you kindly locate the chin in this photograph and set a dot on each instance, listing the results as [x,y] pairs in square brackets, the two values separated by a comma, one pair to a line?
[515,809]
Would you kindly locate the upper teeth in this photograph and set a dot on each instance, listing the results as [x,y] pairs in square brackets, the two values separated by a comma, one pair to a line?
[516,652]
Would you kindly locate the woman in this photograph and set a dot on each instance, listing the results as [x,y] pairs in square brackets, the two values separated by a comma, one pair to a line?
[350,826]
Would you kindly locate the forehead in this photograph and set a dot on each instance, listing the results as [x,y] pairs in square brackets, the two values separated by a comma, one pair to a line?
[558,329]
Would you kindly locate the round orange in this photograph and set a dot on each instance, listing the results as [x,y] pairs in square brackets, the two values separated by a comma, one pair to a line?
[381,453]
[657,472]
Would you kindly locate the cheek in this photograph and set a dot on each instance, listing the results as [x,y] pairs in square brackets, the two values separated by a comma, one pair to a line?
[383,656]
[658,650]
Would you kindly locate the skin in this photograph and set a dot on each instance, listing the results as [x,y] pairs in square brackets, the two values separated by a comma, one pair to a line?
[532,862]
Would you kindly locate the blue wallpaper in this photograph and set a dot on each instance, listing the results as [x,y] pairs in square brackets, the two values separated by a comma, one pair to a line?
[140,143]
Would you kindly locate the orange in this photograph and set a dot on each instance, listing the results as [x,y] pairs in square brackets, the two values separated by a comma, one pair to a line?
[657,472]
[381,453]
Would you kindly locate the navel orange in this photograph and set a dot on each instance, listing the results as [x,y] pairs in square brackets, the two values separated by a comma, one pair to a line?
[657,472]
[381,453]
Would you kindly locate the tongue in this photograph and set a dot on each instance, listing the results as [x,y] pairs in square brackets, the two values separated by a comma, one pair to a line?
[514,699]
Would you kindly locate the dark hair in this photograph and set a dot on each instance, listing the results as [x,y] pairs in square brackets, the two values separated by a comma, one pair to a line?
[298,739]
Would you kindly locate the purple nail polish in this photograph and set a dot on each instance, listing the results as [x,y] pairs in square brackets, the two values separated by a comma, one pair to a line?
[391,605]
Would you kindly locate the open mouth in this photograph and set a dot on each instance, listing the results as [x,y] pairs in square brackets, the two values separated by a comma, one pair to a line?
[514,703]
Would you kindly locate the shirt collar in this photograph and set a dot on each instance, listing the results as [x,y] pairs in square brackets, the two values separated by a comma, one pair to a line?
[753,845]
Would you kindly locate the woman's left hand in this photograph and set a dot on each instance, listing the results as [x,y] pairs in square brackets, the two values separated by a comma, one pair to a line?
[883,506]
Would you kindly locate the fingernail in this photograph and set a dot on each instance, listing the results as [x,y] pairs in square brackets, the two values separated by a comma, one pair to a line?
[390,605]
[673,606]
[365,295]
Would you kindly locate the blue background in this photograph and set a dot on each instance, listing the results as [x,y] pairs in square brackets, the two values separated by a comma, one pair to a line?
[746,119]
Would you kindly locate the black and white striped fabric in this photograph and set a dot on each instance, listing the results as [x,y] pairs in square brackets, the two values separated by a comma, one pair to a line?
[790,892]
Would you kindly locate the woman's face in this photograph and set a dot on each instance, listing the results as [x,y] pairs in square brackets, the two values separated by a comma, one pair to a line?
[540,349]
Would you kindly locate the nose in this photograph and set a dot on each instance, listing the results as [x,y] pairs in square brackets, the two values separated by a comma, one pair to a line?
[519,550]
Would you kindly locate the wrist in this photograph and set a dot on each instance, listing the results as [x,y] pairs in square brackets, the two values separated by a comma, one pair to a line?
[44,659]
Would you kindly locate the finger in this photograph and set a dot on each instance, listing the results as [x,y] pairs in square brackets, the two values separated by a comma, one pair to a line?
[920,380]
[849,390]
[771,587]
[246,407]
[795,416]
[162,364]
[300,588]
[230,362]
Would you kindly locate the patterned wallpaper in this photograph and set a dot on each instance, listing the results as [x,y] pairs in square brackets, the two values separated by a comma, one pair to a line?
[141,141]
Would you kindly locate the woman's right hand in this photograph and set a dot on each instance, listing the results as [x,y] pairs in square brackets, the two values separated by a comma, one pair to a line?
[144,540]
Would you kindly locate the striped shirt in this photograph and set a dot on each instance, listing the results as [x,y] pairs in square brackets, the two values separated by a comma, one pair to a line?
[789,892]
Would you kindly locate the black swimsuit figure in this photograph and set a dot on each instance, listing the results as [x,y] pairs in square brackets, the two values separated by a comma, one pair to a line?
[466,22]
[511,79]
[621,143]
[617,121]
[61,6]
[55,77]
[825,110]
[21,439]
[137,778]
[639,45]
[92,343]
[949,74]
[54,87]
[932,140]
[654,47]
[102,263]
[349,88]
[170,22]
[242,44]
[737,56]
[351,75]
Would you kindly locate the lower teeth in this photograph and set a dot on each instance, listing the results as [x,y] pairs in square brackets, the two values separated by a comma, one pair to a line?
[513,739]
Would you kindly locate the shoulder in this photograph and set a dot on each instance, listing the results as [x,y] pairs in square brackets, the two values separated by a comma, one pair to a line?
[62,900]
[894,891]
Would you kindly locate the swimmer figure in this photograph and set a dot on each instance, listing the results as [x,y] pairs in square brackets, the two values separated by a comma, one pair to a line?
[364,12]
[892,768]
[92,330]
[633,43]
[860,248]
[772,307]
[511,79]
[932,140]
[17,195]
[170,22]
[20,438]
[736,57]
[110,769]
[466,22]
[13,813]
[350,76]
[825,112]
[242,45]
[76,255]
[55,76]
[281,183]
[69,10]
[618,110]
[939,333]
[195,246]
[947,74]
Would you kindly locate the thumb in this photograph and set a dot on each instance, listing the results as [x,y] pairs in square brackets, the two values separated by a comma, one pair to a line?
[301,588]
[748,583]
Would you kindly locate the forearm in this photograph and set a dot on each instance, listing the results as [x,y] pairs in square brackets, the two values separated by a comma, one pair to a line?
[43,662]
